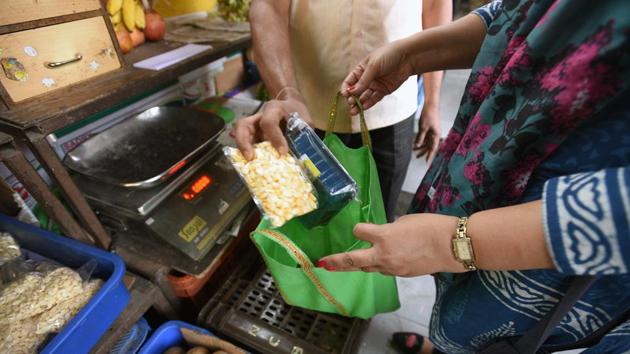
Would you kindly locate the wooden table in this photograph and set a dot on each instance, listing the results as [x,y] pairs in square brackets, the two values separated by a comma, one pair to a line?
[33,121]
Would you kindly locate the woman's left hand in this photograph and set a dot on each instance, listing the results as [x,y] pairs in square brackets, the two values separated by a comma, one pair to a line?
[413,245]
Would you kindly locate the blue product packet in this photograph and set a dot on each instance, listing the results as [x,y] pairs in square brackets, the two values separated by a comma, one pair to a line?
[334,186]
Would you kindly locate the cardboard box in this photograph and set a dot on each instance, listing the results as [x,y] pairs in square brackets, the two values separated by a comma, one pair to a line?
[232,76]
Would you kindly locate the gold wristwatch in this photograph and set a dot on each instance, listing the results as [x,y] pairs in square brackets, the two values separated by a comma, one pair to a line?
[462,245]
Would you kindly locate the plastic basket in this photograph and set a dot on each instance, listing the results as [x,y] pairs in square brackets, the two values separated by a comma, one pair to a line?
[131,342]
[168,335]
[83,331]
[250,310]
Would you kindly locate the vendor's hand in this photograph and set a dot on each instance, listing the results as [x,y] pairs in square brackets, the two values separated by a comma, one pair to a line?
[429,132]
[413,245]
[266,124]
[376,76]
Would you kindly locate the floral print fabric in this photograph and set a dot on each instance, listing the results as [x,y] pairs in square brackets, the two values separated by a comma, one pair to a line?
[547,98]
[533,83]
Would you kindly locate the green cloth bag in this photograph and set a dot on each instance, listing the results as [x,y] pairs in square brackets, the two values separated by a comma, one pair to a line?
[290,250]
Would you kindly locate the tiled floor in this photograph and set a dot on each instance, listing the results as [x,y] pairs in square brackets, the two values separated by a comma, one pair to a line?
[417,295]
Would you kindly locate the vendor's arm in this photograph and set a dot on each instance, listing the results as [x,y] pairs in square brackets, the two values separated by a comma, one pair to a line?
[272,53]
[434,13]
[581,226]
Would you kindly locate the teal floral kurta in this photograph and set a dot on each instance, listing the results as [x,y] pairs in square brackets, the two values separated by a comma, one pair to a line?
[546,115]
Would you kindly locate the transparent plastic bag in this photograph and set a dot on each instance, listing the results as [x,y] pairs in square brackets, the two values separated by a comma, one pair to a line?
[20,337]
[38,296]
[9,249]
[19,267]
[278,185]
[334,185]
[55,318]
[36,292]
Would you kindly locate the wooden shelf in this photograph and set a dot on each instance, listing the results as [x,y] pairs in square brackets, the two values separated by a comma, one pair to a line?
[5,139]
[56,110]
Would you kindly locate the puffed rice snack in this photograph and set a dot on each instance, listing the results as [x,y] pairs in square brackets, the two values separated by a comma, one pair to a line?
[9,249]
[55,318]
[19,337]
[276,182]
[35,293]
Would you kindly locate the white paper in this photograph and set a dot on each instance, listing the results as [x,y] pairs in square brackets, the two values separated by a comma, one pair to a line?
[172,57]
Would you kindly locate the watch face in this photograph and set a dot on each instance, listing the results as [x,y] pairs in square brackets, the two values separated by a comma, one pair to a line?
[463,249]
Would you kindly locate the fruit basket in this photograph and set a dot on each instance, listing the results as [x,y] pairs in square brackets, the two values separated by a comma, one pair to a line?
[249,309]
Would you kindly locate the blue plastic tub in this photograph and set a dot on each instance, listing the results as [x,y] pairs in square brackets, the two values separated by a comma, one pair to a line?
[83,331]
[168,335]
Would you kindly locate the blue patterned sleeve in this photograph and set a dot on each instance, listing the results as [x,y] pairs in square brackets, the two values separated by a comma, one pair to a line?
[488,12]
[615,341]
[587,221]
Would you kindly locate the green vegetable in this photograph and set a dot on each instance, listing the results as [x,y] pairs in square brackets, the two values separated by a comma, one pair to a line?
[234,10]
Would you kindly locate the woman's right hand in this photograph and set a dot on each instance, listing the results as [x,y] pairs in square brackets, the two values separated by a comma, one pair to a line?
[377,75]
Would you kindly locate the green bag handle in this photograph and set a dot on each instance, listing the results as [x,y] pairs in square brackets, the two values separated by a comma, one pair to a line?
[332,119]
[304,262]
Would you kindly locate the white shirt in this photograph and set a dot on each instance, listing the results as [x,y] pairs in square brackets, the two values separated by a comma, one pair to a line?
[330,37]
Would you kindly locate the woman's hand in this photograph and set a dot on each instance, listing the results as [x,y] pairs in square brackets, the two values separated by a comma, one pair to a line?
[376,76]
[507,238]
[413,245]
[450,46]
[266,124]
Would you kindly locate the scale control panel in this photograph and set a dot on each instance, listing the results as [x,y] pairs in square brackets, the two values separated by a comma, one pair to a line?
[192,218]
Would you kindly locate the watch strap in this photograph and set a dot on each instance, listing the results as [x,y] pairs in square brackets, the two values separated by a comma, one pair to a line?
[461,233]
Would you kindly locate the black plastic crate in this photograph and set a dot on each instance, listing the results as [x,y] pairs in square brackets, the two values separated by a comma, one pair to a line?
[249,309]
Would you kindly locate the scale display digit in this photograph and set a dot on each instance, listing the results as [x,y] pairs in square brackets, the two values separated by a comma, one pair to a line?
[195,188]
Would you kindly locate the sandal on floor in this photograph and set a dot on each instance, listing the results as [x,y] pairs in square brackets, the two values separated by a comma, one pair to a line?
[408,342]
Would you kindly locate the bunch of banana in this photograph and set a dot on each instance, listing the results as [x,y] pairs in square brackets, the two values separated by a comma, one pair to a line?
[127,13]
[234,10]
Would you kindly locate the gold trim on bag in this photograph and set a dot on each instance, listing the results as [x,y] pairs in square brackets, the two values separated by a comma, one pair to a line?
[332,118]
[306,265]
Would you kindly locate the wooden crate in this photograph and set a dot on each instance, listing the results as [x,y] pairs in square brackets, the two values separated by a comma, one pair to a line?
[48,45]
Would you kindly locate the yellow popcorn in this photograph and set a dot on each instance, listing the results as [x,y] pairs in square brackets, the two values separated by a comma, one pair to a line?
[276,183]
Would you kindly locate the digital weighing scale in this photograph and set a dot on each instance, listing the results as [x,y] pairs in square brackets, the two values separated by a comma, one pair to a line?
[161,173]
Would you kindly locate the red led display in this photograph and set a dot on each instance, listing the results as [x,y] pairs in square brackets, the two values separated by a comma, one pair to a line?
[197,187]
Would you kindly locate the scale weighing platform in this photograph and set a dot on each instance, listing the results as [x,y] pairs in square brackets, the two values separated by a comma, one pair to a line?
[162,174]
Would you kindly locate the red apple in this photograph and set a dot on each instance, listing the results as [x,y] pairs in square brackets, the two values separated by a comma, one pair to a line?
[155,26]
[137,37]
[124,40]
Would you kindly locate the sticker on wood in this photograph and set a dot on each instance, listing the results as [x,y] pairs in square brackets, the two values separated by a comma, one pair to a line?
[66,54]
